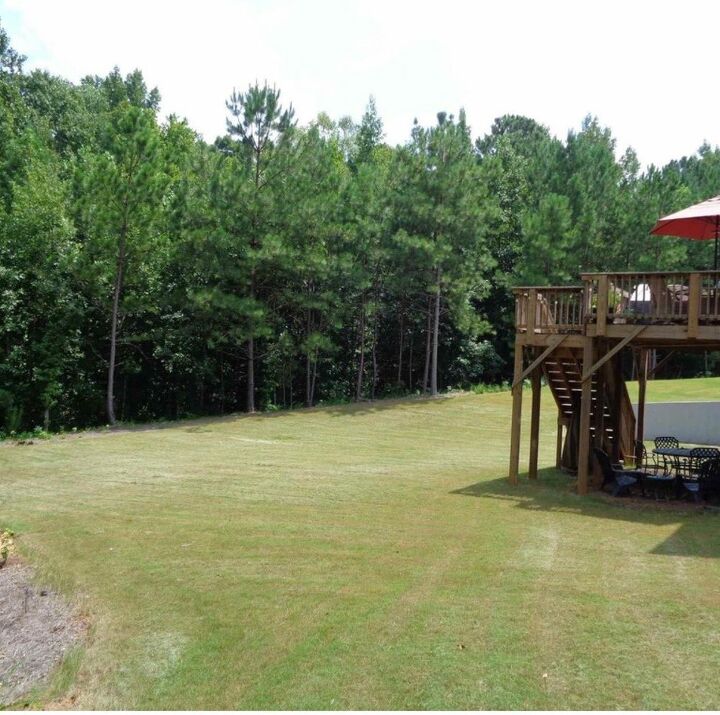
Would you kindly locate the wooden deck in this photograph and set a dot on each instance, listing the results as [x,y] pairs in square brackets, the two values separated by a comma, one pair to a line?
[574,336]
[671,306]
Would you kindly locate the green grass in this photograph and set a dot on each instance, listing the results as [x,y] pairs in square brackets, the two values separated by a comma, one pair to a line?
[698,389]
[367,556]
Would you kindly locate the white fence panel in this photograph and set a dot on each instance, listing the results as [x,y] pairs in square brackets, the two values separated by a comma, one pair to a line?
[691,422]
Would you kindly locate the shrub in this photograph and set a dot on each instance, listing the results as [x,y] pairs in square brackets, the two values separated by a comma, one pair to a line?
[482,388]
[7,539]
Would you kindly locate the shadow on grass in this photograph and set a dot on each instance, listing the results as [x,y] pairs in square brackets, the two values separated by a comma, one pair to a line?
[345,409]
[698,532]
[205,422]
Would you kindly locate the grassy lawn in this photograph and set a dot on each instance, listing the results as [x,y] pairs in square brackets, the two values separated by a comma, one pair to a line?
[366,556]
[696,390]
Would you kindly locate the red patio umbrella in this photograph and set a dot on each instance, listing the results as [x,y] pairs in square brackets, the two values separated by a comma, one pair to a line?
[700,222]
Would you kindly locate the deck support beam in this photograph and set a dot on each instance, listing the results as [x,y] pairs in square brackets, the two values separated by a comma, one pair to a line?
[617,385]
[602,304]
[599,435]
[642,389]
[694,298]
[658,365]
[535,424]
[588,372]
[559,442]
[554,342]
[585,409]
[515,422]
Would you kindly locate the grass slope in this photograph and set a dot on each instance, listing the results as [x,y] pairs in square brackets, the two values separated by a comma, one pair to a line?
[698,389]
[369,556]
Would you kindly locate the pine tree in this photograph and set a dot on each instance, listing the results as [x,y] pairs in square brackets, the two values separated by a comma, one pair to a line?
[261,127]
[122,188]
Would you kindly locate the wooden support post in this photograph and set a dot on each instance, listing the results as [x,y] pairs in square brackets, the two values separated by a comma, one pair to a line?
[589,371]
[559,443]
[516,417]
[598,417]
[535,424]
[532,311]
[642,388]
[694,305]
[584,436]
[658,365]
[602,304]
[599,412]
[617,401]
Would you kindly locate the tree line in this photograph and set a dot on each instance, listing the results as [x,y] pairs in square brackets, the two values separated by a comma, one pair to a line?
[147,273]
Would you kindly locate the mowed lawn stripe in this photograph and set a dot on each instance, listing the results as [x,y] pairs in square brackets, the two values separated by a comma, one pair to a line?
[367,556]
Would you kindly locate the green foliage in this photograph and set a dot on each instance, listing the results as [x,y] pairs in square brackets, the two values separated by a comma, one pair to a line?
[11,61]
[147,274]
[483,388]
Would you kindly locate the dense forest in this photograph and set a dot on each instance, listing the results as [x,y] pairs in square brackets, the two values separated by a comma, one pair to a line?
[146,273]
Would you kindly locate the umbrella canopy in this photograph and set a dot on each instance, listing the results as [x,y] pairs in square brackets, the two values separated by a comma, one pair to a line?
[700,222]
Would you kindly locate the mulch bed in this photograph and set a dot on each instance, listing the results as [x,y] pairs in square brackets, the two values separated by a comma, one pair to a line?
[37,627]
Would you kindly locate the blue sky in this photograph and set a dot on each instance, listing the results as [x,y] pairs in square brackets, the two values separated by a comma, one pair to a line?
[647,70]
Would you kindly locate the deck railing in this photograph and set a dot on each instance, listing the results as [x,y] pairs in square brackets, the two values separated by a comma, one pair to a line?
[552,309]
[709,312]
[653,298]
[689,298]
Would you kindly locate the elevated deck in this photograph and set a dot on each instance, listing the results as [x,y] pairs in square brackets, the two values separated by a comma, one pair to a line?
[672,307]
[574,337]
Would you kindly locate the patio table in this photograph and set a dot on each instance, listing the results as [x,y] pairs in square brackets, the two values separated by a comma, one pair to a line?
[678,455]
[682,456]
[677,452]
[668,482]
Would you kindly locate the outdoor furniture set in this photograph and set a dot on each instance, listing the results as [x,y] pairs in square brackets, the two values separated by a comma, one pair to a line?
[669,471]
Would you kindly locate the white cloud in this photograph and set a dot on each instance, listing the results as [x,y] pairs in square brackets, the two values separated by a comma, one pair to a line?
[643,69]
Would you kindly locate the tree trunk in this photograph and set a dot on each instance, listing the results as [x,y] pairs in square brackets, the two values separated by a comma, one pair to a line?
[308,364]
[400,349]
[410,363]
[123,403]
[46,418]
[361,362]
[374,360]
[250,374]
[314,378]
[436,334]
[222,387]
[308,380]
[428,344]
[117,293]
[250,402]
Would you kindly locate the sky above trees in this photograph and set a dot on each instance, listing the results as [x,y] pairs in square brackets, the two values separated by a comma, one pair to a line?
[642,69]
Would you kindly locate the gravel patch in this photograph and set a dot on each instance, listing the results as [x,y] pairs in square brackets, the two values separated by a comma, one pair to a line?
[37,627]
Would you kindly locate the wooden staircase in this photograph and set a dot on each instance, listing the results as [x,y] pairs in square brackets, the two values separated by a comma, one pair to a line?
[614,424]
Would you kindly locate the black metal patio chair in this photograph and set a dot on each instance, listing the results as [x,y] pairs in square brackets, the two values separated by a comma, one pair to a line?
[657,477]
[647,462]
[621,479]
[668,442]
[696,459]
[705,485]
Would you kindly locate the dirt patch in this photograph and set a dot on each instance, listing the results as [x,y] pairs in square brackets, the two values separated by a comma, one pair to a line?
[37,627]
